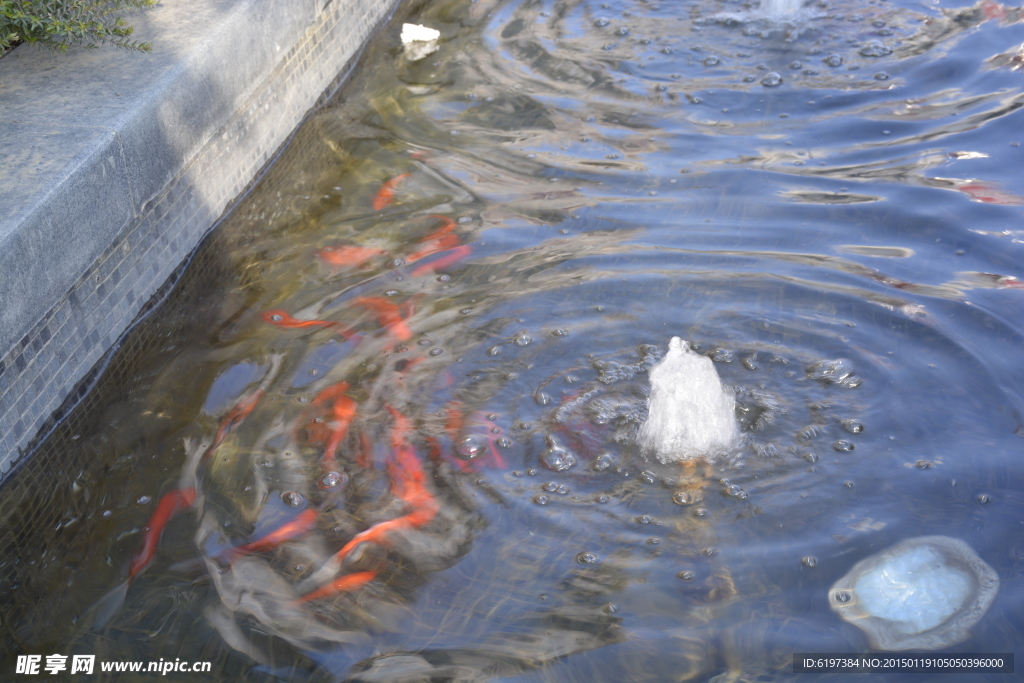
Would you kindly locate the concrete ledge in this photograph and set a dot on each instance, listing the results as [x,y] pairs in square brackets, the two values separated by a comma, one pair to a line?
[114,165]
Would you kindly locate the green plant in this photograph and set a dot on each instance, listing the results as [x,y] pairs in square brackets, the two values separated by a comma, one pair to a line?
[59,24]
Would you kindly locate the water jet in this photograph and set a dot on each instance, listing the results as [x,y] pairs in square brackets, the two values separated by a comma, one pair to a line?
[690,414]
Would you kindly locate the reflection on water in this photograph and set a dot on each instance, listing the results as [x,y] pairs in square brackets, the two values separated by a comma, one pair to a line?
[404,379]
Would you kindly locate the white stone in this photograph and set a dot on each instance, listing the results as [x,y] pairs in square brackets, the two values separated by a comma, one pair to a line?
[690,414]
[923,593]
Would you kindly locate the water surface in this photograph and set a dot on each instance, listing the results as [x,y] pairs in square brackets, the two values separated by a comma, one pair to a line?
[825,202]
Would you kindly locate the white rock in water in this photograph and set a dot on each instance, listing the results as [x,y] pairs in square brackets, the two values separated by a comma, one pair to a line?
[412,33]
[922,594]
[690,415]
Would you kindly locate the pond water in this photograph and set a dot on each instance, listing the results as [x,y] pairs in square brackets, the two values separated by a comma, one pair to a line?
[498,240]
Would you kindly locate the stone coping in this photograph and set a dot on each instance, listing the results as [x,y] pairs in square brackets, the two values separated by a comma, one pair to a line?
[113,165]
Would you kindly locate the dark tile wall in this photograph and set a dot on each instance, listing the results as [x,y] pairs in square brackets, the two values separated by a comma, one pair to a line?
[57,361]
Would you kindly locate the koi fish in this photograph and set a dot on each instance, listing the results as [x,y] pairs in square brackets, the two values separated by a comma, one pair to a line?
[298,526]
[386,194]
[439,240]
[348,256]
[448,258]
[343,411]
[388,316]
[340,585]
[990,194]
[170,505]
[281,318]
[234,416]
[408,483]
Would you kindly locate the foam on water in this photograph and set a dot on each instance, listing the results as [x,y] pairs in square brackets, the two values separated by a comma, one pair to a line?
[690,415]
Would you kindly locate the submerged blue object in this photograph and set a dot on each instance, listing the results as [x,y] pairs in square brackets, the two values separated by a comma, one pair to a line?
[923,594]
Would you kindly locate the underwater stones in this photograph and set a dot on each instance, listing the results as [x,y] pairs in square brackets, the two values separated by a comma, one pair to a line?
[690,414]
[923,594]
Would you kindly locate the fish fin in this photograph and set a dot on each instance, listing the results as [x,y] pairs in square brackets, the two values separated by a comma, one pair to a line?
[109,605]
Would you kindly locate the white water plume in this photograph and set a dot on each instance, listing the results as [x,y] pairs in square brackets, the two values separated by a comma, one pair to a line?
[690,415]
[779,9]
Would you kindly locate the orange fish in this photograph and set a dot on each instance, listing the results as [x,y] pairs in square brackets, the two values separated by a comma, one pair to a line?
[348,256]
[439,240]
[448,258]
[281,318]
[340,585]
[170,505]
[343,412]
[300,525]
[388,316]
[386,194]
[989,193]
[408,483]
[234,416]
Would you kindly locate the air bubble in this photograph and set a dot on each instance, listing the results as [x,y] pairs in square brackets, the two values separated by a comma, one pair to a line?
[852,426]
[586,558]
[686,575]
[809,561]
[701,513]
[522,339]
[331,480]
[469,447]
[771,79]
[143,500]
[647,477]
[711,61]
[875,48]
[549,486]
[293,498]
[838,371]
[833,60]
[436,352]
[557,458]
[601,22]
[881,76]
[541,499]
[603,462]
[276,318]
[722,356]
[644,519]
[983,498]
[684,498]
[843,446]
